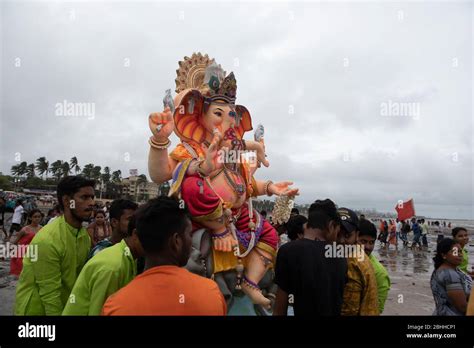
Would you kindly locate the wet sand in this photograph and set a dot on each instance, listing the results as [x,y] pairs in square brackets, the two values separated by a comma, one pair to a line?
[410,272]
[7,289]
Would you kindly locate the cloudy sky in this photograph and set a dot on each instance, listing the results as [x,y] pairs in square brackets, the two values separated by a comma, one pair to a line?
[325,79]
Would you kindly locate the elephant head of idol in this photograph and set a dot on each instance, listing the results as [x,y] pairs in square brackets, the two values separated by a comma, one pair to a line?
[206,101]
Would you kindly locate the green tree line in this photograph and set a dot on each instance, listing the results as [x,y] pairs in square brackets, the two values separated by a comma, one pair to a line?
[44,174]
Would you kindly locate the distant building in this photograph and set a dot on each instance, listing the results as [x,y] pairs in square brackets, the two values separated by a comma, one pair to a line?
[133,189]
[39,192]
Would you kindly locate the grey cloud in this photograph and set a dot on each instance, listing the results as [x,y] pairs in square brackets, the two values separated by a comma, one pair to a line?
[285,55]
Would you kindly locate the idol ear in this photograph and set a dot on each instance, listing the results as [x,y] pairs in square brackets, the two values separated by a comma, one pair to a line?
[187,114]
[244,121]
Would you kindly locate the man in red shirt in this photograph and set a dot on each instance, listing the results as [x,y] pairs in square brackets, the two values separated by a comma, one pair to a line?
[165,288]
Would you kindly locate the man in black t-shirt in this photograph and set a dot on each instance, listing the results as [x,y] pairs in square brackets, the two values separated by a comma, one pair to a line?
[306,278]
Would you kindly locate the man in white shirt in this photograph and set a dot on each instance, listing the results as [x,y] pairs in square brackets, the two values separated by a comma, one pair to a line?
[424,232]
[17,217]
[439,231]
[399,229]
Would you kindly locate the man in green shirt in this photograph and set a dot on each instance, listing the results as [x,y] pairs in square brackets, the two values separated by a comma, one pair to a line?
[460,236]
[367,237]
[62,247]
[104,274]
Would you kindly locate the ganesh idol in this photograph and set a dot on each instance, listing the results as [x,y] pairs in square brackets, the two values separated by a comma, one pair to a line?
[217,189]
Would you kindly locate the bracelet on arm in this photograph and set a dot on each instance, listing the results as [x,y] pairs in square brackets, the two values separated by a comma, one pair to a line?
[220,235]
[265,188]
[159,146]
[200,171]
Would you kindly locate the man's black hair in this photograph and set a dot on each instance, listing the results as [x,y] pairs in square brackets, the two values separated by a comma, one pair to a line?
[263,213]
[367,228]
[158,220]
[294,226]
[456,230]
[71,185]
[295,211]
[321,212]
[118,206]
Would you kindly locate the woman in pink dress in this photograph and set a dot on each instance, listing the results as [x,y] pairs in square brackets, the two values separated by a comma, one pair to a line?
[99,229]
[23,239]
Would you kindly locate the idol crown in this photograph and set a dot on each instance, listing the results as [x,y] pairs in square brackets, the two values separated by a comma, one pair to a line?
[203,73]
[220,88]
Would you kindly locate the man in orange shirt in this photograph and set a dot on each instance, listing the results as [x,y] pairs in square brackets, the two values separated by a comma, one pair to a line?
[164,288]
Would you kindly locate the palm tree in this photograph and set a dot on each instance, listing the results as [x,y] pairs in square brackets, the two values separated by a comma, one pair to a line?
[65,168]
[115,184]
[15,170]
[74,165]
[106,175]
[87,170]
[42,166]
[19,170]
[95,174]
[116,176]
[56,169]
[23,168]
[30,170]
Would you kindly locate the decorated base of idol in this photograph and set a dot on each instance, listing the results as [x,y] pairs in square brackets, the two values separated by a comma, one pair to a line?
[212,171]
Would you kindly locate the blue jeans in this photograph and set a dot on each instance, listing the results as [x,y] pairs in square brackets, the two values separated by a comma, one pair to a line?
[416,238]
[424,240]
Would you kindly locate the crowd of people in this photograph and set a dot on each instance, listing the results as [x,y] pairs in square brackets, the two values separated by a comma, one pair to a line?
[393,231]
[125,259]
[312,283]
[78,269]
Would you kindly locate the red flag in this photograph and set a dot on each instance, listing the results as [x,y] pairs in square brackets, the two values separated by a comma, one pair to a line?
[405,210]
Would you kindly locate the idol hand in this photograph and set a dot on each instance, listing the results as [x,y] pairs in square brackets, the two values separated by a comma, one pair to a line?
[226,244]
[282,188]
[259,149]
[209,164]
[161,125]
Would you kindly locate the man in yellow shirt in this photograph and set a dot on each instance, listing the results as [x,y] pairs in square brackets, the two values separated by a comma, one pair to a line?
[360,292]
[367,238]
